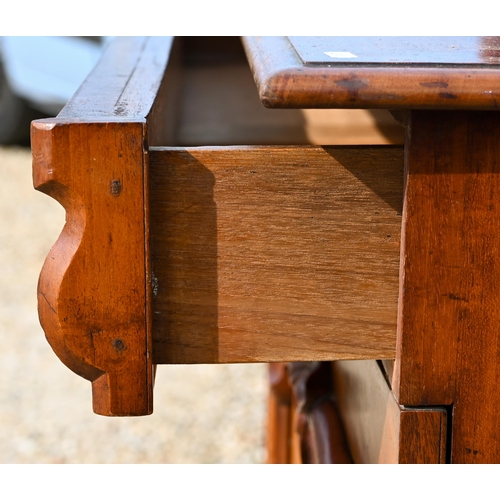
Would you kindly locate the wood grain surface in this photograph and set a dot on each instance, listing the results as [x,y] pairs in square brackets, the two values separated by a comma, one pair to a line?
[448,333]
[275,253]
[378,429]
[125,83]
[284,80]
[249,254]
[92,293]
[218,105]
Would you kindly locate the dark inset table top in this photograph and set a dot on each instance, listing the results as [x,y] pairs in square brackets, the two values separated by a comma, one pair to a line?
[389,50]
[376,72]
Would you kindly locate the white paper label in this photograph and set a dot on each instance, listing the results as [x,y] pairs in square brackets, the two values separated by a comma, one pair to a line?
[341,55]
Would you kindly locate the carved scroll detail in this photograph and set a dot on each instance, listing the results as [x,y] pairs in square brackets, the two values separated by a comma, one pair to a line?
[93,291]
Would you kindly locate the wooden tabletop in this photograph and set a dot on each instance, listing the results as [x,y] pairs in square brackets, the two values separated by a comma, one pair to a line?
[376,72]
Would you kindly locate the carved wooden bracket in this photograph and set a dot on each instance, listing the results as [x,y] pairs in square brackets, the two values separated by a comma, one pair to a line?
[94,288]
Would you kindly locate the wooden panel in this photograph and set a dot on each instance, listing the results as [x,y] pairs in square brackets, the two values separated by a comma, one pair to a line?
[448,331]
[422,436]
[93,293]
[369,411]
[219,105]
[275,254]
[346,127]
[125,82]
[378,429]
[285,81]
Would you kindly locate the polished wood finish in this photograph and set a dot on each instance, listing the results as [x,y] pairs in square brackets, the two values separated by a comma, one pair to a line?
[125,84]
[379,430]
[278,430]
[137,96]
[325,439]
[448,332]
[284,80]
[275,254]
[448,295]
[94,314]
[317,420]
[217,104]
[280,416]
[304,425]
[293,253]
[94,292]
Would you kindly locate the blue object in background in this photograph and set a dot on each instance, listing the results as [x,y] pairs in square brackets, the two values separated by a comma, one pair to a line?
[38,75]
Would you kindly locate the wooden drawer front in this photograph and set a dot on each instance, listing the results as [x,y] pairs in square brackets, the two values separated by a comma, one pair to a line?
[275,253]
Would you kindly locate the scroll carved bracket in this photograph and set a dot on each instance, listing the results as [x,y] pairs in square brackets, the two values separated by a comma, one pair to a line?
[94,288]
